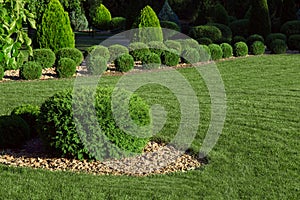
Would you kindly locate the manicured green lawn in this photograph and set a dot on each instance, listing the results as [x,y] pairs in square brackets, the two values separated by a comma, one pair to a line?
[256,157]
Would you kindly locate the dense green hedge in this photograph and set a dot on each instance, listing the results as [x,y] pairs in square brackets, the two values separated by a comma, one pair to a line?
[211,32]
[273,36]
[138,50]
[117,50]
[72,53]
[290,28]
[225,30]
[170,57]
[157,47]
[175,45]
[294,42]
[30,71]
[278,46]
[45,57]
[124,63]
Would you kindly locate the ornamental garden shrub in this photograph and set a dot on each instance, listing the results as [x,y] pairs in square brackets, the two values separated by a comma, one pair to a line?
[167,14]
[174,45]
[99,50]
[190,55]
[138,50]
[170,57]
[210,32]
[124,63]
[100,17]
[227,50]
[45,57]
[225,30]
[273,36]
[238,38]
[215,51]
[1,73]
[78,20]
[257,48]
[288,12]
[240,27]
[204,53]
[294,42]
[118,24]
[69,133]
[220,15]
[157,47]
[30,71]
[151,61]
[14,132]
[169,25]
[29,113]
[290,28]
[96,64]
[72,53]
[188,43]
[240,49]
[66,68]
[278,46]
[253,38]
[205,41]
[117,50]
[55,30]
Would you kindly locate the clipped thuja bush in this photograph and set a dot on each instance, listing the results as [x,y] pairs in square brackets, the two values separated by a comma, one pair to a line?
[66,68]
[100,16]
[278,46]
[240,49]
[190,55]
[188,43]
[238,39]
[174,45]
[118,24]
[72,53]
[45,57]
[215,51]
[99,50]
[290,28]
[220,15]
[157,47]
[167,14]
[205,41]
[116,50]
[169,25]
[1,73]
[14,132]
[29,113]
[227,50]
[253,38]
[30,71]
[240,27]
[78,19]
[96,64]
[207,31]
[225,30]
[273,36]
[257,48]
[138,50]
[170,57]
[124,63]
[70,134]
[204,53]
[151,61]
[294,42]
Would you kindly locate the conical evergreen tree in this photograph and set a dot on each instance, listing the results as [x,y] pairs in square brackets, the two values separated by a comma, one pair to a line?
[167,14]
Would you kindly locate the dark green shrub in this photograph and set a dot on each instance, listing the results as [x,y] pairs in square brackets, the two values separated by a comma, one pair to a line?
[248,13]
[220,15]
[227,50]
[99,50]
[204,53]
[45,57]
[151,61]
[190,55]
[29,113]
[253,38]
[240,49]
[1,73]
[118,24]
[188,43]
[288,12]
[55,31]
[78,20]
[138,50]
[157,47]
[174,45]
[257,48]
[240,27]
[290,28]
[170,25]
[170,57]
[210,32]
[100,16]
[225,30]
[116,50]
[273,36]
[14,132]
[205,41]
[124,63]
[72,53]
[30,71]
[238,39]
[65,68]
[70,133]
[294,42]
[260,22]
[215,51]
[96,64]
[278,46]
[167,14]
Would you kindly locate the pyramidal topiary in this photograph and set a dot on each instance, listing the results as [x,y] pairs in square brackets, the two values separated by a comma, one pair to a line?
[167,14]
[55,31]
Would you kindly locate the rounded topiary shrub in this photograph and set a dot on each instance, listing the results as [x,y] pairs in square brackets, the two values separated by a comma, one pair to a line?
[237,39]
[69,133]
[45,57]
[170,57]
[240,49]
[225,30]
[290,28]
[138,50]
[118,24]
[204,53]
[215,51]
[227,50]
[188,43]
[278,46]
[99,50]
[117,50]
[124,63]
[100,16]
[190,55]
[29,113]
[240,27]
[65,68]
[157,47]
[253,38]
[151,61]
[170,25]
[14,132]
[30,71]
[174,45]
[96,64]
[1,73]
[205,41]
[273,36]
[257,48]
[294,42]
[72,53]
[207,31]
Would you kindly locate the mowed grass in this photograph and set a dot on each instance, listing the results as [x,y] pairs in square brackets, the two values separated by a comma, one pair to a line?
[256,157]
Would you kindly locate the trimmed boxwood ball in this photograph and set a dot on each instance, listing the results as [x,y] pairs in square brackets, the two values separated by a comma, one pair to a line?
[207,31]
[240,27]
[175,45]
[157,47]
[225,30]
[31,70]
[124,63]
[290,28]
[118,24]
[151,61]
[72,53]
[117,50]
[190,56]
[170,25]
[204,53]
[205,41]
[45,57]
[271,37]
[215,51]
[253,38]
[138,50]
[257,48]
[96,64]
[294,42]
[98,50]
[170,57]
[227,50]
[278,46]
[238,38]
[240,49]
[1,73]
[65,68]
[188,43]
[14,132]
[67,133]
